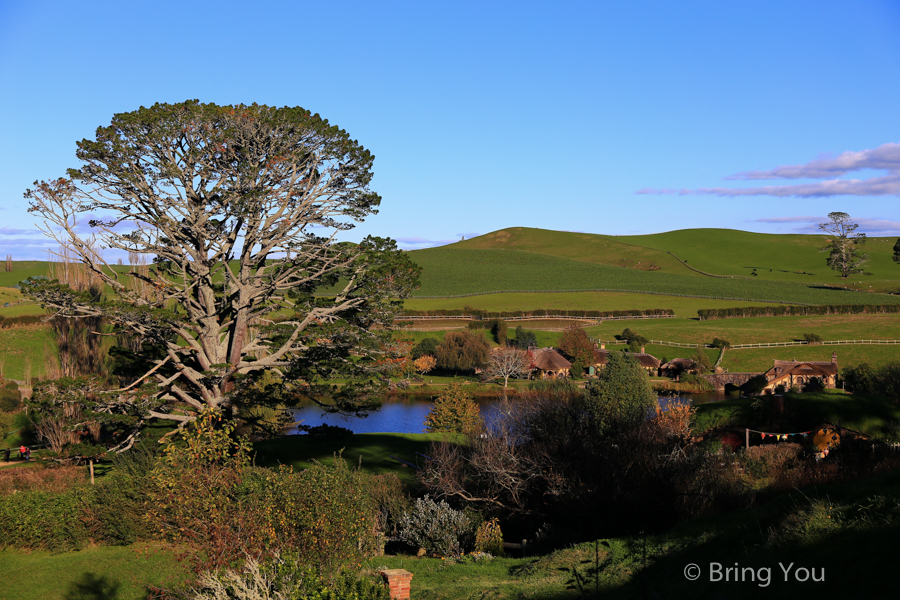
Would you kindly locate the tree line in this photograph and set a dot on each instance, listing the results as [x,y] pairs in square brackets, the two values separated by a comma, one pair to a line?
[796,311]
[539,312]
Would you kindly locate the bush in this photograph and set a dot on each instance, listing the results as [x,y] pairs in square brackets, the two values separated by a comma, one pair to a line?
[720,343]
[325,431]
[489,538]
[621,396]
[10,397]
[427,347]
[283,577]
[436,527]
[812,338]
[462,351]
[45,520]
[576,371]
[390,498]
[454,411]
[771,460]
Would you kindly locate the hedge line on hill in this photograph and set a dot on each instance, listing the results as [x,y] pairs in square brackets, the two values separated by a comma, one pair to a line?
[20,321]
[540,312]
[796,311]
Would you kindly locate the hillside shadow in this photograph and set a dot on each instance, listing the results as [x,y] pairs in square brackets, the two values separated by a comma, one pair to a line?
[93,587]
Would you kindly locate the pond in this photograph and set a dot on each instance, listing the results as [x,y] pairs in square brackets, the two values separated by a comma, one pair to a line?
[405,413]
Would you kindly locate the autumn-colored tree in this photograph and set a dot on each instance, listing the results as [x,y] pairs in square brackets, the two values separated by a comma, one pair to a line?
[425,364]
[462,351]
[577,345]
[454,411]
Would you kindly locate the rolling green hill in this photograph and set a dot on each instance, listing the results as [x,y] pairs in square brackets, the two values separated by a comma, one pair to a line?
[451,270]
[725,252]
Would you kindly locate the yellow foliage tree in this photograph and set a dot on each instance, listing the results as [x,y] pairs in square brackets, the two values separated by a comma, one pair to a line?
[454,411]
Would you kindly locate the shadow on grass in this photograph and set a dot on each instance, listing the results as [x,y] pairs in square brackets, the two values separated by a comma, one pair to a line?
[93,587]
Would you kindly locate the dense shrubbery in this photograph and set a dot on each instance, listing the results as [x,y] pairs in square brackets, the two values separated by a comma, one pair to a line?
[20,321]
[880,381]
[436,527]
[707,314]
[10,396]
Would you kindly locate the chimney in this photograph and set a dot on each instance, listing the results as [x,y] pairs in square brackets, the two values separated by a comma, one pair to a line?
[834,358]
[642,349]
[603,345]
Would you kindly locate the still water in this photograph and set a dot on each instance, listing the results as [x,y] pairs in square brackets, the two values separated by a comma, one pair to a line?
[406,413]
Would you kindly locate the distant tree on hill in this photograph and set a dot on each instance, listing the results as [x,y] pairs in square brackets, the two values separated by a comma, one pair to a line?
[897,251]
[844,256]
[462,351]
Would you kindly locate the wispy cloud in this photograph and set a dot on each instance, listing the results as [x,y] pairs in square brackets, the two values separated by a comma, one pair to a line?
[11,231]
[416,243]
[884,158]
[808,224]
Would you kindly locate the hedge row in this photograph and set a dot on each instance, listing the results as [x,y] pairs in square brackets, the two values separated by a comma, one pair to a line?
[796,311]
[20,321]
[540,312]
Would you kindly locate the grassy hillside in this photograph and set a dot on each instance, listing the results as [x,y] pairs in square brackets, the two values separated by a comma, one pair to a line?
[776,257]
[587,247]
[718,251]
[450,270]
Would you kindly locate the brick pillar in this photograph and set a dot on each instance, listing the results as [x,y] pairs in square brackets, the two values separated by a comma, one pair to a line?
[398,583]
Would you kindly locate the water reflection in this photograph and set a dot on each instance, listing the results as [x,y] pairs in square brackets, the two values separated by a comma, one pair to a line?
[406,413]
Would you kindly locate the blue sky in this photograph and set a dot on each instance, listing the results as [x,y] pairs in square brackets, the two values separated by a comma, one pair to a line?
[604,117]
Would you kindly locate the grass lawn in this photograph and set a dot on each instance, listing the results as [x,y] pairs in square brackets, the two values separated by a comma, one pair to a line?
[371,451]
[110,573]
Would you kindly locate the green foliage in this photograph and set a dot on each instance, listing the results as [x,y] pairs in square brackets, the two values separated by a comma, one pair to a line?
[426,347]
[878,381]
[896,255]
[576,371]
[489,538]
[696,382]
[633,337]
[621,396]
[454,411]
[812,338]
[47,520]
[498,330]
[523,339]
[720,343]
[844,256]
[701,359]
[755,385]
[10,397]
[284,577]
[436,527]
[462,351]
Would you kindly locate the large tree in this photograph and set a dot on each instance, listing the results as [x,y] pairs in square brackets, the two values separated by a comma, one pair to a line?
[844,256]
[237,208]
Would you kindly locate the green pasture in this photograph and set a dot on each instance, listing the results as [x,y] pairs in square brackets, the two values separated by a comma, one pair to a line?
[758,360]
[110,573]
[755,330]
[20,347]
[23,269]
[784,257]
[370,451]
[450,271]
[587,247]
[683,307]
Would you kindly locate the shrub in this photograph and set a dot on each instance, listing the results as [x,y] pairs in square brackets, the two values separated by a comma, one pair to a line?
[771,460]
[696,382]
[454,411]
[15,481]
[720,343]
[45,520]
[325,431]
[576,371]
[621,396]
[813,339]
[489,538]
[436,527]
[283,577]
[10,397]
[390,498]
[427,347]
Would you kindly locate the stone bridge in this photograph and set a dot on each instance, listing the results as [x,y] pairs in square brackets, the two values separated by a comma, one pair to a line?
[720,380]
